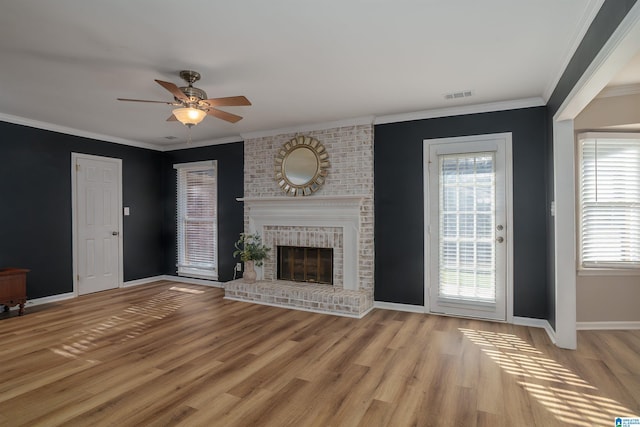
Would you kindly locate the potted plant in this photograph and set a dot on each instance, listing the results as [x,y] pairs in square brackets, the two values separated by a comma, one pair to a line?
[252,252]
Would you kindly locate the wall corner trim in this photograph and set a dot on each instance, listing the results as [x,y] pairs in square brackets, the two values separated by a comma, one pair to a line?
[536,323]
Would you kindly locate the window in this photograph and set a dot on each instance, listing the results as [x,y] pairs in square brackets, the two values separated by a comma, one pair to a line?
[197,220]
[609,200]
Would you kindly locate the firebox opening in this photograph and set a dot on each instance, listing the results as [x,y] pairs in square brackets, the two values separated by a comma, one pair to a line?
[305,264]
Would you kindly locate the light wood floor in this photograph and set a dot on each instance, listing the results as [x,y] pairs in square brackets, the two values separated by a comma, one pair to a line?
[175,354]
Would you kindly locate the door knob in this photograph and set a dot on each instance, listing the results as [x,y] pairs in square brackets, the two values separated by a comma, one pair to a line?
[499,239]
[499,227]
[114,233]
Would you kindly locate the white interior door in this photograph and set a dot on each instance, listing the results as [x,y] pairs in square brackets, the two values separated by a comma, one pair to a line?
[97,216]
[467,227]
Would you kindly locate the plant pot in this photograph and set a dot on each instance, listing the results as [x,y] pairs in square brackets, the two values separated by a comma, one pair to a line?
[249,274]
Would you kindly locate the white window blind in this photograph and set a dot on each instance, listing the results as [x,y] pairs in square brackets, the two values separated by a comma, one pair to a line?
[609,200]
[197,219]
[467,238]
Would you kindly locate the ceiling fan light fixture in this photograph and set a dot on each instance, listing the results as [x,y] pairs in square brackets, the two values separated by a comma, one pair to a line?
[189,116]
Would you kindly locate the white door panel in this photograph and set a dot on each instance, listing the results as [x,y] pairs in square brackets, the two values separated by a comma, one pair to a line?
[467,227]
[97,223]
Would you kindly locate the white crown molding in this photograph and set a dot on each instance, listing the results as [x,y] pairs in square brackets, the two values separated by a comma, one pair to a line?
[592,10]
[188,145]
[622,90]
[461,110]
[76,132]
[367,120]
[607,326]
[358,121]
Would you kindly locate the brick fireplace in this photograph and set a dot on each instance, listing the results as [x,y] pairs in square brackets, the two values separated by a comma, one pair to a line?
[339,216]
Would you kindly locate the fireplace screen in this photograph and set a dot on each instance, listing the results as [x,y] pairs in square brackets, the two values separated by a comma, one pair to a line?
[302,264]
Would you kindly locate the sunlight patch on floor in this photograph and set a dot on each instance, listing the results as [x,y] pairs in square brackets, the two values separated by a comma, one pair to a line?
[135,320]
[566,395]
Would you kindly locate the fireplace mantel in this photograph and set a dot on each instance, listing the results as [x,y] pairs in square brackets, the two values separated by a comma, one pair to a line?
[308,201]
[313,211]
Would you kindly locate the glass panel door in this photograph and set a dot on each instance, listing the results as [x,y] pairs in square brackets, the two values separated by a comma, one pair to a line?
[467,249]
[467,268]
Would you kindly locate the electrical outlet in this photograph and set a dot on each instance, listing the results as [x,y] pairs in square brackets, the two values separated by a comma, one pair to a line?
[238,267]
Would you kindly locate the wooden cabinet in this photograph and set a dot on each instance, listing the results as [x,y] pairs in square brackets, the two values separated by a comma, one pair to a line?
[13,288]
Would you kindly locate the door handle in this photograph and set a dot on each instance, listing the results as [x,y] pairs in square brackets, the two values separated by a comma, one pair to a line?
[499,239]
[114,233]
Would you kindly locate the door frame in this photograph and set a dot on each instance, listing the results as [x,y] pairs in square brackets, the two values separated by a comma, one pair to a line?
[507,136]
[74,215]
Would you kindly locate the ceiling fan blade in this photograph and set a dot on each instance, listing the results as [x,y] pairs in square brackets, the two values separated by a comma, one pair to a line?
[230,101]
[144,100]
[224,115]
[172,118]
[175,90]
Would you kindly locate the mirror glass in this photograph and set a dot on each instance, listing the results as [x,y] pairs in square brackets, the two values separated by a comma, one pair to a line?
[300,166]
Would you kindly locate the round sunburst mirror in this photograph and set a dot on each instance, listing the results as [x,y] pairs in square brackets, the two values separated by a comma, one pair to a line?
[301,166]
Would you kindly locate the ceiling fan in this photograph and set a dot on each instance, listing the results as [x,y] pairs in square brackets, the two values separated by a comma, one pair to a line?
[193,105]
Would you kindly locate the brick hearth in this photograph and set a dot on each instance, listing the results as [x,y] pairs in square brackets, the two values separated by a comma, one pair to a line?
[309,297]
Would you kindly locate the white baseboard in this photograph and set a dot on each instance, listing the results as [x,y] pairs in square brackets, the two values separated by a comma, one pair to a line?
[399,307]
[536,323]
[143,281]
[130,283]
[179,279]
[595,326]
[49,299]
[192,281]
[522,321]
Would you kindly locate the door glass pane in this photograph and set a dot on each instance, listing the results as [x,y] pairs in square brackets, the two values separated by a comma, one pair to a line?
[467,266]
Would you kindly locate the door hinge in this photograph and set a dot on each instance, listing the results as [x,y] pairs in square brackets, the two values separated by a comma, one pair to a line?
[77,167]
[78,277]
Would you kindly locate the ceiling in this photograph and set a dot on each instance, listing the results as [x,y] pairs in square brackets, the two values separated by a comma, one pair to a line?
[300,63]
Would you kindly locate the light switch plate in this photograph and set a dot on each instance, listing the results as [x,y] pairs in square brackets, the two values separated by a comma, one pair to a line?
[126,211]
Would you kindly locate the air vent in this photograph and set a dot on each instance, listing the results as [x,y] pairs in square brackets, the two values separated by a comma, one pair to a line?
[458,95]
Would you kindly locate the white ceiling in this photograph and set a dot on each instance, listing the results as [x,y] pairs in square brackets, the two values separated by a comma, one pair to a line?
[300,62]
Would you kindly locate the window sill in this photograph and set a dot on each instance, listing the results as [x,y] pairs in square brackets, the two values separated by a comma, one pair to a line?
[608,272]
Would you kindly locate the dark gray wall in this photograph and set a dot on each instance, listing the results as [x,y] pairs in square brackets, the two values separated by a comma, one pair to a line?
[604,24]
[35,212]
[399,204]
[230,159]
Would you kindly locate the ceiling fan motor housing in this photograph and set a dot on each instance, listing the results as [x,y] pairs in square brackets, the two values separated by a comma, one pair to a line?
[193,93]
